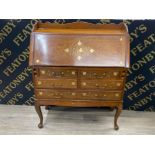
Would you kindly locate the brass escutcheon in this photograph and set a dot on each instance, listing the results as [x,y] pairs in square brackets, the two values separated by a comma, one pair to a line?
[40,93]
[84,73]
[42,72]
[73,83]
[116,94]
[115,73]
[39,82]
[37,61]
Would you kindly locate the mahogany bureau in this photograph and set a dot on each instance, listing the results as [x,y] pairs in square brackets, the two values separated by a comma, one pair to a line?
[80,65]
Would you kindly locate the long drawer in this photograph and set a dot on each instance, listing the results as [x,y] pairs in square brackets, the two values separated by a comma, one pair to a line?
[78,94]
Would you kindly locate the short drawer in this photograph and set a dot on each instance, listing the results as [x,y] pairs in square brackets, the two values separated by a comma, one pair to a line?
[101,84]
[57,73]
[78,95]
[56,83]
[100,74]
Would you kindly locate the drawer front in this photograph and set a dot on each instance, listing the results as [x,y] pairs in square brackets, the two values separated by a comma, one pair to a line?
[78,95]
[57,73]
[56,83]
[99,74]
[102,84]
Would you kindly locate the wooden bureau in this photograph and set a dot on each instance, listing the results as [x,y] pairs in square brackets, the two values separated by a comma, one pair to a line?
[79,64]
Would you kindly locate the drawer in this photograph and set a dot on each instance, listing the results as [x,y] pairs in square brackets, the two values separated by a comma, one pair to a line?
[56,83]
[99,74]
[57,73]
[78,95]
[102,84]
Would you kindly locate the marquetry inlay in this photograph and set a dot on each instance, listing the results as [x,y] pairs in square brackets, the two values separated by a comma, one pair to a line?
[37,61]
[73,73]
[121,62]
[116,94]
[42,72]
[79,43]
[39,82]
[40,93]
[73,83]
[84,83]
[84,73]
[73,94]
[84,94]
[79,57]
[115,73]
[79,50]
[66,50]
[96,85]
[105,84]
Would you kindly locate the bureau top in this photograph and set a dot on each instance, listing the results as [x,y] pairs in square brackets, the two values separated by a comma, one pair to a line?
[79,44]
[80,28]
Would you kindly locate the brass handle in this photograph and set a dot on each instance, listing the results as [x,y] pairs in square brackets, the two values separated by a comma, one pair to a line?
[115,73]
[73,72]
[84,94]
[84,73]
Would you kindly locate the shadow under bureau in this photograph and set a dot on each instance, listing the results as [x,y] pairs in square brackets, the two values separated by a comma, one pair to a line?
[80,65]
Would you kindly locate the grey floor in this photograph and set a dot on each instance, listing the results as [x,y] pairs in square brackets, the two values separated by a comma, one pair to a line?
[16,119]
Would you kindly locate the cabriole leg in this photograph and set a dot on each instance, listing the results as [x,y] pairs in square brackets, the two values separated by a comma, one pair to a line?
[118,111]
[38,110]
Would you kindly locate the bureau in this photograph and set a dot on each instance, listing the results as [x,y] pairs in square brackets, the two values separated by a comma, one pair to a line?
[80,65]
